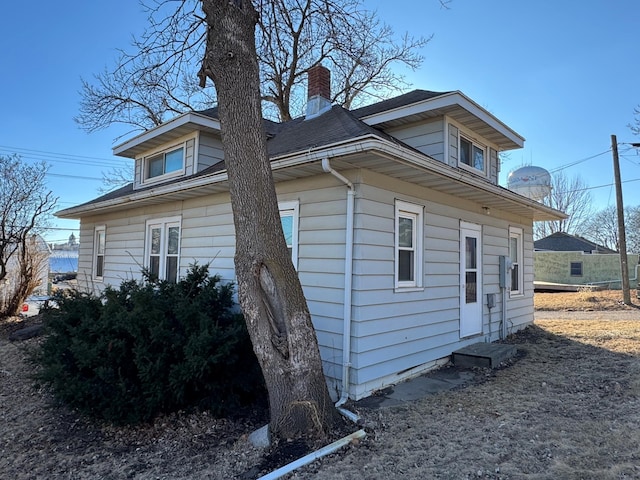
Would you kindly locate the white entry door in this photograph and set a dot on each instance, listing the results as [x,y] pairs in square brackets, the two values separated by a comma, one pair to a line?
[470,279]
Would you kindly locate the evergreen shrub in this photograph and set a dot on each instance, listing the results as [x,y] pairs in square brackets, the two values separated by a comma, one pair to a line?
[150,347]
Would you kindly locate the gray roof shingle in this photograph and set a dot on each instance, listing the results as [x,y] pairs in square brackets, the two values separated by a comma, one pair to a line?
[563,242]
[333,126]
[403,100]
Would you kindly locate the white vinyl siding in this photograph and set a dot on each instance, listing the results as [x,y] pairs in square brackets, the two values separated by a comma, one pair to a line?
[426,137]
[395,332]
[210,151]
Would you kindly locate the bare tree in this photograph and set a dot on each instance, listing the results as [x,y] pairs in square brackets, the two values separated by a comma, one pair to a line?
[571,196]
[632,224]
[25,205]
[358,48]
[602,228]
[25,272]
[269,290]
[156,80]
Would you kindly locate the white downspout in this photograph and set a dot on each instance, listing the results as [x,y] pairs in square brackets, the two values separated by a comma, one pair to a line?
[348,273]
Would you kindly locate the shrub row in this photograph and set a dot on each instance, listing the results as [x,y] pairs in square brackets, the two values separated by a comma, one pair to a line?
[150,347]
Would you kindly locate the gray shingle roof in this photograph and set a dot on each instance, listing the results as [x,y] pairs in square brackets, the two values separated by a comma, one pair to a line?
[333,126]
[563,242]
[403,100]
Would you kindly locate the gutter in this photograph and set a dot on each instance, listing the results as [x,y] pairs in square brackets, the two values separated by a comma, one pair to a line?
[348,276]
[370,142]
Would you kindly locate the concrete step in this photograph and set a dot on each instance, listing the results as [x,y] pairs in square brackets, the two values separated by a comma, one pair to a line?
[484,355]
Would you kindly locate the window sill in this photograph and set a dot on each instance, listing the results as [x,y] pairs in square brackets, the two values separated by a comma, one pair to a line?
[408,289]
[475,171]
[162,178]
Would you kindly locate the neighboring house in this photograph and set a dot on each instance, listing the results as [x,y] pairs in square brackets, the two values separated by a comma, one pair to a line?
[562,260]
[563,242]
[392,213]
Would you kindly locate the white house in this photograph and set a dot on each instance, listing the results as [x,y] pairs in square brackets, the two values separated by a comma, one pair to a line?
[392,212]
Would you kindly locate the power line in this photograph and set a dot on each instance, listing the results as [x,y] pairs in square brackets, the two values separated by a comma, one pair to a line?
[61,175]
[56,157]
[562,167]
[599,186]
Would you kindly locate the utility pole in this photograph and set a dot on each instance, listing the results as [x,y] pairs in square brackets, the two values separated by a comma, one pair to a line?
[622,237]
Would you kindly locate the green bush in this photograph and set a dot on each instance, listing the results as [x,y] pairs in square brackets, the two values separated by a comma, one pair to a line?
[150,347]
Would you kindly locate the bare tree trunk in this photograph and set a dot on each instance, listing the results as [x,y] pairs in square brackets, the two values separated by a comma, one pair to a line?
[29,263]
[270,294]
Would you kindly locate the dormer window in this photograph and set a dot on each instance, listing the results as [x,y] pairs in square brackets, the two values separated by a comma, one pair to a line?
[163,163]
[472,154]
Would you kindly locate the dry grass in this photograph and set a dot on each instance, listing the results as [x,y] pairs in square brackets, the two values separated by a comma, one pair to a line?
[568,407]
[585,300]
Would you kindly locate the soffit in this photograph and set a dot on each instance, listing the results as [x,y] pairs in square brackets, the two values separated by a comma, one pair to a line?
[430,173]
[456,106]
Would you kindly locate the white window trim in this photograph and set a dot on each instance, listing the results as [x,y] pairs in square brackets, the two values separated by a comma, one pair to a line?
[409,210]
[164,223]
[94,266]
[517,232]
[144,174]
[292,209]
[474,143]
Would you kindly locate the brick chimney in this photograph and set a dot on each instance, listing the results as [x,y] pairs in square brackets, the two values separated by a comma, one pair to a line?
[319,91]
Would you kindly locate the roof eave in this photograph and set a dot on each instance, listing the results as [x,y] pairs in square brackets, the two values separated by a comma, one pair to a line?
[510,139]
[178,126]
[497,195]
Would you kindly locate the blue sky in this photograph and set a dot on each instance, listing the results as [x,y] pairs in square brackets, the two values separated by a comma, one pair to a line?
[565,77]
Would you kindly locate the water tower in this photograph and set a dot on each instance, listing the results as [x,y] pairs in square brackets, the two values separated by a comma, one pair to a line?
[531,182]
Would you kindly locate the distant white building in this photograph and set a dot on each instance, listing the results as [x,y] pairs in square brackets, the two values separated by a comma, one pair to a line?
[64,256]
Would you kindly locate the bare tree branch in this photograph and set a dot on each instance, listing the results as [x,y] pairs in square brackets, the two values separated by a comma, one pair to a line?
[571,196]
[602,228]
[25,205]
[159,78]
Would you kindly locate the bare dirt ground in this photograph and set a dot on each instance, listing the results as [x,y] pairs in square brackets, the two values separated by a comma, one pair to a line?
[567,407]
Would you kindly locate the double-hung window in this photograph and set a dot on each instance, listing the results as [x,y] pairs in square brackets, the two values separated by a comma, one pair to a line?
[163,163]
[516,253]
[472,154]
[408,245]
[289,221]
[99,245]
[162,257]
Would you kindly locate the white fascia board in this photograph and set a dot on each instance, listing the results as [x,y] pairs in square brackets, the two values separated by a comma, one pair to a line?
[361,144]
[74,212]
[443,101]
[184,119]
[408,156]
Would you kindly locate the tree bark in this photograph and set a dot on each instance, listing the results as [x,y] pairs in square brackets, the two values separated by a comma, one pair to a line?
[269,290]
